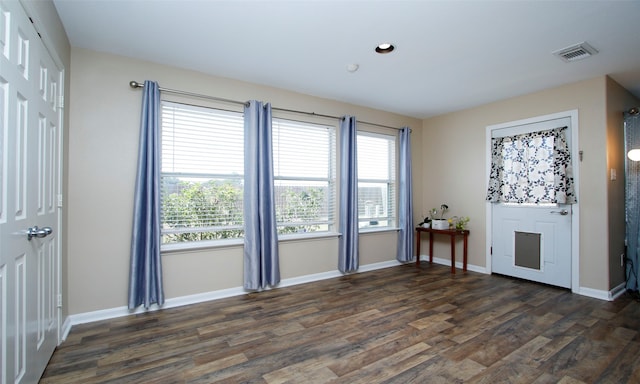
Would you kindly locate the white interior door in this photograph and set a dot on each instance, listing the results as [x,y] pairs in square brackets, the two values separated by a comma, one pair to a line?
[533,242]
[30,120]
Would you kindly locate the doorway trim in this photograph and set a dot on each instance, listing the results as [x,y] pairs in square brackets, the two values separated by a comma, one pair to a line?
[575,217]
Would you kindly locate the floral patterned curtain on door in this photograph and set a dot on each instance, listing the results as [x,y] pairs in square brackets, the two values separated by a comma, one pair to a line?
[531,168]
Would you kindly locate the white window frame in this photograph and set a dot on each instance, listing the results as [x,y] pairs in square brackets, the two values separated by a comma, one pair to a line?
[328,225]
[238,177]
[389,208]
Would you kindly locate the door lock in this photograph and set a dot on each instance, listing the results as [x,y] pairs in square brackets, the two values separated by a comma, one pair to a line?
[38,232]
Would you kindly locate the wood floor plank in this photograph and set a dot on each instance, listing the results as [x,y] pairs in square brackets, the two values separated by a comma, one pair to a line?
[395,325]
[366,354]
[441,370]
[626,367]
[389,366]
[312,370]
[216,365]
[514,373]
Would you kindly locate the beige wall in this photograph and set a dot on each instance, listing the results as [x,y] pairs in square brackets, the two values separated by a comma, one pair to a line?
[103,142]
[454,169]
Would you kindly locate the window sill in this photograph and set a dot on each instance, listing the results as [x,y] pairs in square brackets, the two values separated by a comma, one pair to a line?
[308,236]
[365,231]
[215,244]
[200,245]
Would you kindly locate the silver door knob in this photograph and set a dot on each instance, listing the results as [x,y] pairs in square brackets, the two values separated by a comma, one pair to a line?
[564,212]
[38,232]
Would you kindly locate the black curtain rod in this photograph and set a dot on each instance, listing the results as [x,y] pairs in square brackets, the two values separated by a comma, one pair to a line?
[134,84]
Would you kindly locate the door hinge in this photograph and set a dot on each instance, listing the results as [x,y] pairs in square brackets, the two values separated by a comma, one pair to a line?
[61,101]
[59,201]
[59,301]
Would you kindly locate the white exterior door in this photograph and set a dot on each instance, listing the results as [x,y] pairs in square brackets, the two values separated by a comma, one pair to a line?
[30,121]
[533,242]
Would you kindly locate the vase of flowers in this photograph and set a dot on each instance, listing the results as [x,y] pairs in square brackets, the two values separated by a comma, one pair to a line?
[425,223]
[459,223]
[437,217]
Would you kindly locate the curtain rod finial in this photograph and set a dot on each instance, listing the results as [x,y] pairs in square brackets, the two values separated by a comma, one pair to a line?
[135,84]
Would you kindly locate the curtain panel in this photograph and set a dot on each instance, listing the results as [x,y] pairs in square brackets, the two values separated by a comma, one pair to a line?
[405,199]
[261,258]
[532,168]
[632,202]
[145,272]
[348,257]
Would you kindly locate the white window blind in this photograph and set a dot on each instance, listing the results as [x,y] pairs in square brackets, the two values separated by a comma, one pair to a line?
[304,176]
[376,180]
[202,168]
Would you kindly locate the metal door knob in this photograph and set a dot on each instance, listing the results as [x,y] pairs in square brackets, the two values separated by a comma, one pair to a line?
[38,232]
[564,212]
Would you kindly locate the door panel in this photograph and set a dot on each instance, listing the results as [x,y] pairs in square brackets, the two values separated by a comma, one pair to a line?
[30,118]
[541,235]
[554,232]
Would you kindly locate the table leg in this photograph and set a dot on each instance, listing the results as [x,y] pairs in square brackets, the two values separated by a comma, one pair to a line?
[453,254]
[417,248]
[464,257]
[430,247]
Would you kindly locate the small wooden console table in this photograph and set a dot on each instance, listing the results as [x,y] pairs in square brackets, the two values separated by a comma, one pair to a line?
[452,234]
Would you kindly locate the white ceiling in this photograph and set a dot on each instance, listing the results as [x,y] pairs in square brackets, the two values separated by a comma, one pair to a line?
[449,55]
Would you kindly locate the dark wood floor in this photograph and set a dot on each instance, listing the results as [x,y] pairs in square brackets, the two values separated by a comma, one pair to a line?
[396,325]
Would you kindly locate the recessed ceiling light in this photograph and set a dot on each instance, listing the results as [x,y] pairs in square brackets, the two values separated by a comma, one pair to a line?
[385,48]
[352,67]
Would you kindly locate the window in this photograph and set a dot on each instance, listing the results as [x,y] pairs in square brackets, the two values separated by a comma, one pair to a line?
[304,176]
[201,173]
[376,180]
[532,168]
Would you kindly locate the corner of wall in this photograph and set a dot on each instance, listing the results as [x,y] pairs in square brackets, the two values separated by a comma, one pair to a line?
[618,100]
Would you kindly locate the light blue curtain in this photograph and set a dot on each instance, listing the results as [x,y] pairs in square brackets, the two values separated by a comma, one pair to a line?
[632,204]
[348,258]
[145,273]
[261,261]
[405,199]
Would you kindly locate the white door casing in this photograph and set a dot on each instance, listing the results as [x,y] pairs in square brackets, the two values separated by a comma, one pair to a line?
[556,233]
[30,132]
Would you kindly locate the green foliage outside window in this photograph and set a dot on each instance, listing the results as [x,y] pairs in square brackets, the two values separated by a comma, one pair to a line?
[212,210]
[298,206]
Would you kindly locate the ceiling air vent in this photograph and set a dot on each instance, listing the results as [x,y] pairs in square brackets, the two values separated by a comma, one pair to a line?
[576,52]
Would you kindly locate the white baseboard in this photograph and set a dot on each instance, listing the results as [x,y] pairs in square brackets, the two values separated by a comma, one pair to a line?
[111,313]
[66,328]
[105,314]
[618,291]
[603,295]
[331,274]
[595,293]
[590,292]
